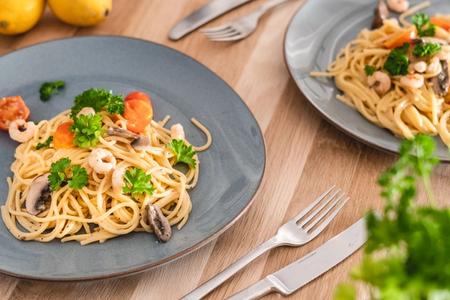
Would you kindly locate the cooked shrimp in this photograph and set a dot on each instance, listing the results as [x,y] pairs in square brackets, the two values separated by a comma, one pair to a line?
[414,81]
[86,111]
[380,81]
[398,6]
[420,67]
[117,180]
[177,132]
[21,131]
[101,160]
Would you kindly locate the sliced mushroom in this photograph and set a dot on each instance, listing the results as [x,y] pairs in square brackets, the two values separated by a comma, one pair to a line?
[441,82]
[117,131]
[381,13]
[38,195]
[141,143]
[160,224]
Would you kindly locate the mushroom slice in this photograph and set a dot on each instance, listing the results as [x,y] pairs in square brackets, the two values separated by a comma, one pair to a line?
[160,224]
[38,195]
[141,143]
[441,82]
[117,131]
[381,13]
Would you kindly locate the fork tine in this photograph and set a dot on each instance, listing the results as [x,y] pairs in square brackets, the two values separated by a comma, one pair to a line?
[215,29]
[225,33]
[330,197]
[323,213]
[229,39]
[312,205]
[328,219]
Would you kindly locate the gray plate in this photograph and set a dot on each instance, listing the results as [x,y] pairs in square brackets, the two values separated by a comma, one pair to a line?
[314,37]
[231,170]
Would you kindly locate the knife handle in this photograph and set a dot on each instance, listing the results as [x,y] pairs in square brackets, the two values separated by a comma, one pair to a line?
[220,278]
[255,291]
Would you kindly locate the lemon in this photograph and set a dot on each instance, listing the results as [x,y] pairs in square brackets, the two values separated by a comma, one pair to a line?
[81,12]
[19,16]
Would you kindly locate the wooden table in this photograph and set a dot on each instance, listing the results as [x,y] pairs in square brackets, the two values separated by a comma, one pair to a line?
[305,155]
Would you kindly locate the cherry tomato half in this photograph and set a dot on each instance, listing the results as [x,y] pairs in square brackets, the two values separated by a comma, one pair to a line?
[138,114]
[12,108]
[63,137]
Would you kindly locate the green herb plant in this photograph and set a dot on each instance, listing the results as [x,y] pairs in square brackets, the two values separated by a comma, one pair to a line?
[407,255]
[45,144]
[87,130]
[426,49]
[98,99]
[369,70]
[423,25]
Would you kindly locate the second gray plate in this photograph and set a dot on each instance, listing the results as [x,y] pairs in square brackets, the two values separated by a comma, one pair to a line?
[315,35]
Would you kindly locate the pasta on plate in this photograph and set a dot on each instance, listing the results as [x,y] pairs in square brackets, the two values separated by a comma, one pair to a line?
[103,169]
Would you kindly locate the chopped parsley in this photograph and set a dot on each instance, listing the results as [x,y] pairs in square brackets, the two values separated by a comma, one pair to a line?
[423,25]
[45,144]
[397,61]
[137,182]
[48,89]
[62,172]
[98,99]
[426,49]
[369,70]
[183,153]
[87,130]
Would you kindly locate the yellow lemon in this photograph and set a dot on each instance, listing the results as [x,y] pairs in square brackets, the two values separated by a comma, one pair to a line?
[81,12]
[19,16]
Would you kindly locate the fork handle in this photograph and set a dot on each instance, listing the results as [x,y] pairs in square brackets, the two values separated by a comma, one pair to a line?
[220,278]
[269,5]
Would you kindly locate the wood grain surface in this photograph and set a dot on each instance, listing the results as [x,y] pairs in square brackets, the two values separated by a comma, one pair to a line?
[305,155]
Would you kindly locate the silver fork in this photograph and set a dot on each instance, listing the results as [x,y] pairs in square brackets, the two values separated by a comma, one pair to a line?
[241,27]
[296,232]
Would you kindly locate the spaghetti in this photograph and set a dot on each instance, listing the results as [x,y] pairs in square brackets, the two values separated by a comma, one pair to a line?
[405,101]
[98,212]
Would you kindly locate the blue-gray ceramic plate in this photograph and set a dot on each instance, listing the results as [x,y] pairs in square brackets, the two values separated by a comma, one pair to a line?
[231,170]
[315,35]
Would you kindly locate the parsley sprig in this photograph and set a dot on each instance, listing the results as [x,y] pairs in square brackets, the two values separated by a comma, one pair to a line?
[397,62]
[423,25]
[407,252]
[87,130]
[426,49]
[62,172]
[45,144]
[183,153]
[48,89]
[369,70]
[137,182]
[98,99]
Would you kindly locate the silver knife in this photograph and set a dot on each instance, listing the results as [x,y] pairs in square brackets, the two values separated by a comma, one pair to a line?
[203,15]
[297,274]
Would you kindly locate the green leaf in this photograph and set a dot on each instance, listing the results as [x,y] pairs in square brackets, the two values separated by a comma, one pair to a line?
[137,182]
[62,172]
[397,62]
[57,175]
[87,130]
[98,99]
[369,70]
[426,49]
[45,144]
[345,292]
[79,177]
[423,25]
[50,88]
[183,153]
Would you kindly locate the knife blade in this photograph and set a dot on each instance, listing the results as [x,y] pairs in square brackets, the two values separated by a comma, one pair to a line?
[299,273]
[208,12]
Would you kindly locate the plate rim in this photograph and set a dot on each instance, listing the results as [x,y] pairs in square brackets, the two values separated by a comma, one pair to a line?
[148,266]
